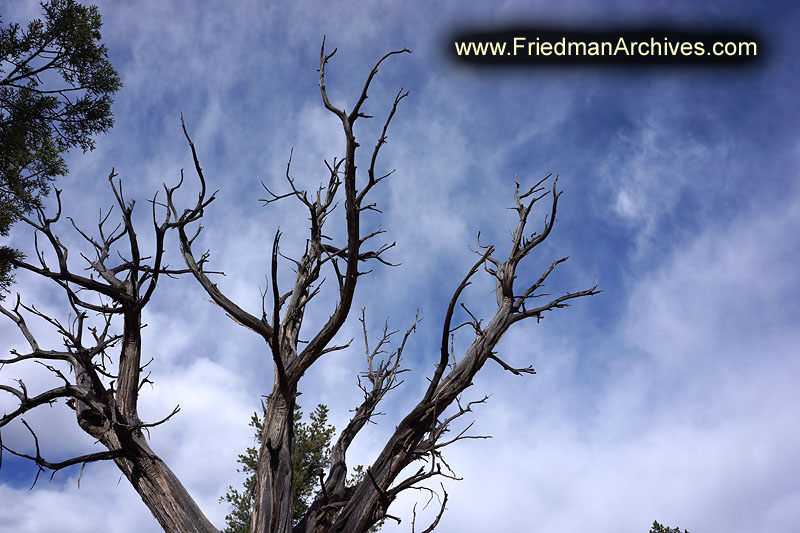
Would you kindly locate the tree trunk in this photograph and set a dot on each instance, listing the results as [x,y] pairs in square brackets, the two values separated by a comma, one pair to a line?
[163,493]
[275,473]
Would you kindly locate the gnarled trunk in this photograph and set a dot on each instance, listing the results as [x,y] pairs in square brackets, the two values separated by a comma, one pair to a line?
[275,472]
[163,493]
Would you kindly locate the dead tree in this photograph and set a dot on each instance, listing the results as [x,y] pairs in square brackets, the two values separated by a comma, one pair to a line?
[105,402]
[104,389]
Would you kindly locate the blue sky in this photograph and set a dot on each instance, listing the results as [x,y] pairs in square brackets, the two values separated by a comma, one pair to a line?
[670,396]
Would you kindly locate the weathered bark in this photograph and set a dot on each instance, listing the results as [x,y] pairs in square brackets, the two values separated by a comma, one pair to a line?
[161,491]
[273,510]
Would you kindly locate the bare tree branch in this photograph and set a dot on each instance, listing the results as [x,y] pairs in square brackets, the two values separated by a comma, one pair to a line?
[438,516]
[43,464]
